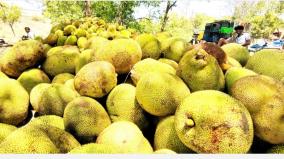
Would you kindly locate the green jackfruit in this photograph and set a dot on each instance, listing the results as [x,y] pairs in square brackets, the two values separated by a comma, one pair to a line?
[150,45]
[160,93]
[263,96]
[267,62]
[32,77]
[237,52]
[14,102]
[62,78]
[210,121]
[85,118]
[23,55]
[201,71]
[6,130]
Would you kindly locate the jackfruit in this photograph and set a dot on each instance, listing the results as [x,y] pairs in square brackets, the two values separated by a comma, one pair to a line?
[237,52]
[61,59]
[14,102]
[210,121]
[95,79]
[23,55]
[263,96]
[121,104]
[69,29]
[83,59]
[85,118]
[125,135]
[149,65]
[71,40]
[62,78]
[201,71]
[93,148]
[32,77]
[236,73]
[6,130]
[54,99]
[169,62]
[150,45]
[36,93]
[166,136]
[267,62]
[160,93]
[51,120]
[122,53]
[38,139]
[174,48]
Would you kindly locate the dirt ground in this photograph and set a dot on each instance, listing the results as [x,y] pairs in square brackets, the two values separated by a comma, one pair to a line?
[39,26]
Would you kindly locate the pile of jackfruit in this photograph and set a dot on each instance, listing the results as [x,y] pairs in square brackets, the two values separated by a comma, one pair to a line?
[97,87]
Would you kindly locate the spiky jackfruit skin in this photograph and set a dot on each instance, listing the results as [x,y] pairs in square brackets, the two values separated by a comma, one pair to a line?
[82,42]
[54,99]
[277,149]
[94,148]
[263,96]
[166,136]
[235,73]
[85,118]
[62,78]
[237,52]
[51,39]
[267,62]
[61,59]
[150,45]
[84,58]
[210,121]
[69,29]
[95,79]
[80,33]
[14,102]
[61,40]
[121,104]
[70,84]
[46,48]
[51,120]
[201,71]
[149,65]
[6,130]
[23,55]
[36,93]
[169,62]
[32,77]
[130,138]
[38,139]
[234,63]
[71,40]
[96,43]
[174,48]
[160,93]
[122,53]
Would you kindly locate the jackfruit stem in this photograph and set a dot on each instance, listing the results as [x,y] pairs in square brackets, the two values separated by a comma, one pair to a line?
[189,123]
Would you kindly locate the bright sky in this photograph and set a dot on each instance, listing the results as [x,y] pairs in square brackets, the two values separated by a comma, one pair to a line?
[215,8]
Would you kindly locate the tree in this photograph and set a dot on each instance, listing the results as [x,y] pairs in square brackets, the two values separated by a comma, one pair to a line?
[199,21]
[263,17]
[10,14]
[170,5]
[111,11]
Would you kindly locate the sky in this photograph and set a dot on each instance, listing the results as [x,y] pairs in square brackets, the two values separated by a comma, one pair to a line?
[188,8]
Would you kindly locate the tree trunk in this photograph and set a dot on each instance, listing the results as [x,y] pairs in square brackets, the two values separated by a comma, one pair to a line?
[87,10]
[11,26]
[165,18]
[119,18]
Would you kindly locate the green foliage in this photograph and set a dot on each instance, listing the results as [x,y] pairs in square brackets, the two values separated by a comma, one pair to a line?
[263,16]
[61,11]
[199,21]
[111,11]
[9,14]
